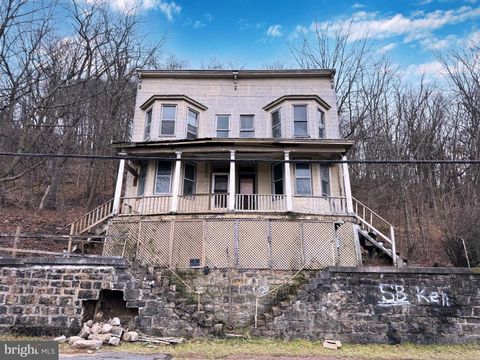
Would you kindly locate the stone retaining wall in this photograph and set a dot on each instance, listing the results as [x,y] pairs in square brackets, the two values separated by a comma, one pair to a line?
[381,305]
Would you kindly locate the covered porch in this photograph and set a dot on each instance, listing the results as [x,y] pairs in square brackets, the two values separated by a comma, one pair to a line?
[238,180]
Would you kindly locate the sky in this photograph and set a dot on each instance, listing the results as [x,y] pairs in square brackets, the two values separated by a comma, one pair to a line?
[254,33]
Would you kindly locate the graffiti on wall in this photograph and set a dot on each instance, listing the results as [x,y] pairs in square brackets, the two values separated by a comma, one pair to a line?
[400,295]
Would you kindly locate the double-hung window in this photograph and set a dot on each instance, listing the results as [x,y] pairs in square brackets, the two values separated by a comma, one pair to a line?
[148,125]
[321,124]
[142,177]
[163,177]
[276,124]
[325,179]
[192,124]
[247,129]
[223,126]
[277,179]
[189,179]
[169,113]
[303,179]
[300,120]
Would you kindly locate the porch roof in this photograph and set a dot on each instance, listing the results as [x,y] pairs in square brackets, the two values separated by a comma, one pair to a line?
[257,145]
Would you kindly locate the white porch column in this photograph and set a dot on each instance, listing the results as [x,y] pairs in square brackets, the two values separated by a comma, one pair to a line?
[176,181]
[346,184]
[231,182]
[288,181]
[118,188]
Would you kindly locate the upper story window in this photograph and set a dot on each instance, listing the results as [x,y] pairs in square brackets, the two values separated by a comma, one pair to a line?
[325,179]
[223,126]
[300,120]
[277,179]
[148,125]
[303,179]
[247,129]
[169,113]
[163,177]
[192,124]
[189,179]
[276,124]
[142,178]
[321,124]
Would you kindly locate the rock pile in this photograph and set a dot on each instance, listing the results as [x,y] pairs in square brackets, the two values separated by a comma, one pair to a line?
[95,334]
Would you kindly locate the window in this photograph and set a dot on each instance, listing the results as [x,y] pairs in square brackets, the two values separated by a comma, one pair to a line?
[148,125]
[300,120]
[192,124]
[162,179]
[223,126]
[325,179]
[303,179]
[321,124]
[142,177]
[168,119]
[246,126]
[276,124]
[189,179]
[277,179]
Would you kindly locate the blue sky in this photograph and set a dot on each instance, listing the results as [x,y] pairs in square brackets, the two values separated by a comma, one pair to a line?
[253,33]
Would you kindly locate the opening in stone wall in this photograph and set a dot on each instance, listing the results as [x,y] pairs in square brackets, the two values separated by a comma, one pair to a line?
[110,304]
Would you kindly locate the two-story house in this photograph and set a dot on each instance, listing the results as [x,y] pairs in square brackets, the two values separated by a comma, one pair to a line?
[235,169]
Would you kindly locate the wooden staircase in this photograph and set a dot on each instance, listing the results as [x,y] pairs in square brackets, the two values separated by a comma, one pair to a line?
[376,231]
[92,219]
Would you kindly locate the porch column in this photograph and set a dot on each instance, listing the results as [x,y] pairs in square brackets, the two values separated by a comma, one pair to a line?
[288,181]
[231,182]
[346,184]
[118,188]
[176,181]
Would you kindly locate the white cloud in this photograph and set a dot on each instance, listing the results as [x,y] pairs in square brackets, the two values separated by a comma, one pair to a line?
[244,24]
[473,39]
[298,31]
[169,9]
[432,68]
[274,30]
[358,6]
[208,16]
[373,25]
[434,43]
[198,24]
[387,48]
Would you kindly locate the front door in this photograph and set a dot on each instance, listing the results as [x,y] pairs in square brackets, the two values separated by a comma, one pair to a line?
[246,189]
[219,190]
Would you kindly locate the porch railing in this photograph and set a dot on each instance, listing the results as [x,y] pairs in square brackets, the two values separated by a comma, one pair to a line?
[146,205]
[320,204]
[260,202]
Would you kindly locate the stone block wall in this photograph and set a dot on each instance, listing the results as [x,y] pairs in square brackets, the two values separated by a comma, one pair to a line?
[384,305]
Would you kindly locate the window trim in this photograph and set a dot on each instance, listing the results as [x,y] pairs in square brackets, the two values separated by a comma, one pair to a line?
[194,181]
[197,121]
[144,165]
[282,179]
[279,111]
[174,120]
[328,180]
[310,178]
[321,123]
[156,176]
[229,126]
[249,130]
[145,137]
[306,120]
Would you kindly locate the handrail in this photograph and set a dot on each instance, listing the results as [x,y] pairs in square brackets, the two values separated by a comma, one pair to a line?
[92,218]
[355,206]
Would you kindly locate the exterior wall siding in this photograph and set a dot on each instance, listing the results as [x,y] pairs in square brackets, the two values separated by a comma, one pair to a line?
[220,96]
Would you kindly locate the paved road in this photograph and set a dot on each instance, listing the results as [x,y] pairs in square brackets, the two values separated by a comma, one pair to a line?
[115,356]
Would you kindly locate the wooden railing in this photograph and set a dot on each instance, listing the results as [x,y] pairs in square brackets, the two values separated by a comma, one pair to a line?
[260,202]
[146,205]
[92,218]
[372,222]
[329,205]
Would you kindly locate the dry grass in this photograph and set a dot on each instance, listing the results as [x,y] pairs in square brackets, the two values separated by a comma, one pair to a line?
[256,348]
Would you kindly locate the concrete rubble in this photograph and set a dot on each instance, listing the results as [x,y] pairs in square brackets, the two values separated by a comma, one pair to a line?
[94,335]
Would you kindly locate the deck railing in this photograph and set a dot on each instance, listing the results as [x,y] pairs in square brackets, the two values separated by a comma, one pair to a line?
[320,204]
[146,205]
[260,202]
